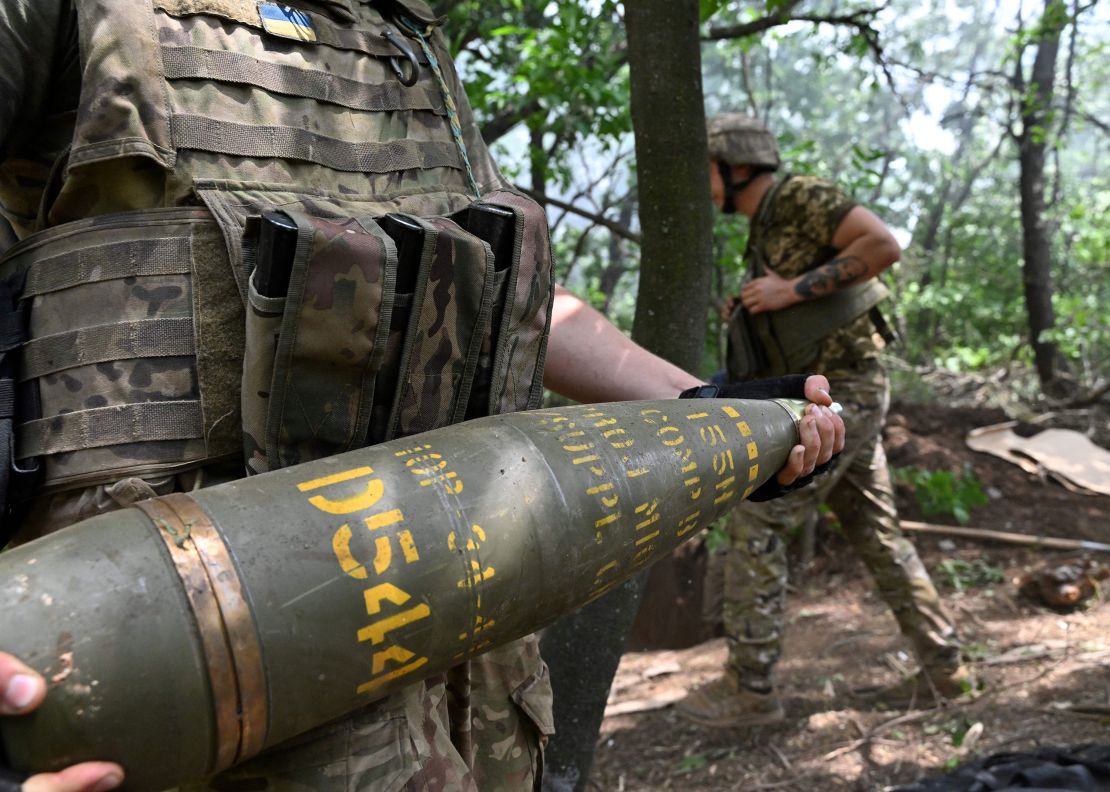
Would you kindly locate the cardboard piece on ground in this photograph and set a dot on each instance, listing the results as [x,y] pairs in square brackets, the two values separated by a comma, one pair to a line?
[1068,456]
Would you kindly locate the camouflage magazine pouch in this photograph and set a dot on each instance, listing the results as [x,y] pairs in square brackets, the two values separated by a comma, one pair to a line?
[448,320]
[497,227]
[407,235]
[522,321]
[269,249]
[334,327]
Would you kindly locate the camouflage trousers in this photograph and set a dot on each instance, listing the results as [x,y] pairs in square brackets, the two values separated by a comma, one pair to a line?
[481,726]
[859,491]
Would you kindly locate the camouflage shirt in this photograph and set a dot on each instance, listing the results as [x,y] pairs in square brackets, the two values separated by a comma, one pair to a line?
[40,84]
[797,229]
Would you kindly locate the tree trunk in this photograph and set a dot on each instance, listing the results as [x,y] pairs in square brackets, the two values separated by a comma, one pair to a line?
[1036,103]
[668,116]
[617,265]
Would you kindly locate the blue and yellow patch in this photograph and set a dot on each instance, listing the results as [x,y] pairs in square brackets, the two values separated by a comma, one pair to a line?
[281,20]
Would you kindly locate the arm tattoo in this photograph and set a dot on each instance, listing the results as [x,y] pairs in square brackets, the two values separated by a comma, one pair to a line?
[831,276]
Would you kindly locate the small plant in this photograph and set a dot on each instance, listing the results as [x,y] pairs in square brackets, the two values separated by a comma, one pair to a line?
[717,536]
[689,764]
[963,575]
[975,652]
[944,492]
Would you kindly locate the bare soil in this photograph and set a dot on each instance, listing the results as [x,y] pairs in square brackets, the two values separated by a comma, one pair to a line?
[1044,674]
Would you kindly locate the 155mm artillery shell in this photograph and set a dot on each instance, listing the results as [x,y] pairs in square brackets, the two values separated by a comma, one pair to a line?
[190,632]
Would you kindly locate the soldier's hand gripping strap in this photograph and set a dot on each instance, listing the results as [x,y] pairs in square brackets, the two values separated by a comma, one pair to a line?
[791,386]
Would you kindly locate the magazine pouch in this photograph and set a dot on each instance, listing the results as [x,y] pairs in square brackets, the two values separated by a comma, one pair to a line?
[331,340]
[448,319]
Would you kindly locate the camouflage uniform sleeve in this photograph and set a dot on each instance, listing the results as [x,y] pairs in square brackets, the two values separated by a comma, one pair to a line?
[38,40]
[40,84]
[818,206]
[486,172]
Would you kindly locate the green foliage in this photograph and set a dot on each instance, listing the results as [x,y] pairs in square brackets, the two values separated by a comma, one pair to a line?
[962,575]
[711,7]
[943,492]
[717,536]
[912,141]
[689,764]
[975,652]
[562,59]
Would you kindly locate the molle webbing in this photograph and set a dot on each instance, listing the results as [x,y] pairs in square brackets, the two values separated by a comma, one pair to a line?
[243,140]
[142,338]
[108,426]
[449,102]
[245,12]
[182,63]
[119,307]
[105,262]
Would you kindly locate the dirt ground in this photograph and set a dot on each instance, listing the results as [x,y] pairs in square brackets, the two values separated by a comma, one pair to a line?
[1045,675]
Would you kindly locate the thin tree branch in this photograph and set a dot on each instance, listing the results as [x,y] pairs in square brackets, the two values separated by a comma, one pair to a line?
[507,119]
[1095,122]
[622,231]
[860,20]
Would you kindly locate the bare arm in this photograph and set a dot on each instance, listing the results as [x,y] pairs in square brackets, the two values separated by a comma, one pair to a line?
[590,360]
[866,248]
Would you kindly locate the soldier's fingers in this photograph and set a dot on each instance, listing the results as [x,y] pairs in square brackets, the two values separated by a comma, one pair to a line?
[792,470]
[811,439]
[817,389]
[21,689]
[85,777]
[822,417]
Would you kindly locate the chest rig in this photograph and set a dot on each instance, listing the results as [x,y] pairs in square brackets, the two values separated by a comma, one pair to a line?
[219,142]
[789,341]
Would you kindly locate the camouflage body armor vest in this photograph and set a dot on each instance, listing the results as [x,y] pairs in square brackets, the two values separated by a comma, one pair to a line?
[403,312]
[788,341]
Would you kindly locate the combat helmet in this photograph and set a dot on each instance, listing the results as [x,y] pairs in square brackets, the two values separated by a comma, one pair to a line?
[739,139]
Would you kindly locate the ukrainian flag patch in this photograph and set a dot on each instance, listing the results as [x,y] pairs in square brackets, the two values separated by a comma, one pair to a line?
[281,20]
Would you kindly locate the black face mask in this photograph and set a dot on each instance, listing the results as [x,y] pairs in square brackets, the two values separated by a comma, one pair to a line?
[725,170]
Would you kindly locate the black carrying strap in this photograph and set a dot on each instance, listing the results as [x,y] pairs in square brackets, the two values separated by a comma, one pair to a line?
[882,327]
[754,253]
[791,386]
[749,335]
[728,206]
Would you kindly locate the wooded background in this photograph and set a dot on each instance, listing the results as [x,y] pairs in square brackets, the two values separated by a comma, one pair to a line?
[978,130]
